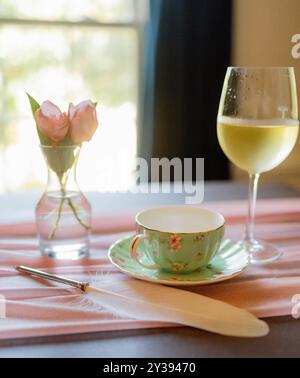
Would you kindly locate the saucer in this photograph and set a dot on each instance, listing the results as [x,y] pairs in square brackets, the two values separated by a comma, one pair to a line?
[231,260]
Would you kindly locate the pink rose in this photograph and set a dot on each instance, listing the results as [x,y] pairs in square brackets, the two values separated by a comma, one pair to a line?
[175,242]
[83,121]
[52,122]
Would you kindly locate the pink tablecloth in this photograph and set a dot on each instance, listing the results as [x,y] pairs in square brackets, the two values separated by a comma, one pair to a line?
[36,308]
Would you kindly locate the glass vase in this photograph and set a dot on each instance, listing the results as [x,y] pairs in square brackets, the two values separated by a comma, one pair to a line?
[63,214]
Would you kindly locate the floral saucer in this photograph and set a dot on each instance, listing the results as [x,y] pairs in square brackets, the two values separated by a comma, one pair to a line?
[231,260]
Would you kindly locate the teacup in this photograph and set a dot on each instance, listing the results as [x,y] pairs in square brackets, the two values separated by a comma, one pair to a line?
[177,239]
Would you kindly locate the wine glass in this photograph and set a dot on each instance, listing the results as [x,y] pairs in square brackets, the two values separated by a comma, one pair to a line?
[257,129]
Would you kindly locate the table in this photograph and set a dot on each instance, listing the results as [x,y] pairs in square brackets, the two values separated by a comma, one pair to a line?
[283,340]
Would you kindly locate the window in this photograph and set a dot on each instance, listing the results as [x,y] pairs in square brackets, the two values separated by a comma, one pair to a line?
[70,50]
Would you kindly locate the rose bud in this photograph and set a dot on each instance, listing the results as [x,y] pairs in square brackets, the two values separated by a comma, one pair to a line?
[83,121]
[51,122]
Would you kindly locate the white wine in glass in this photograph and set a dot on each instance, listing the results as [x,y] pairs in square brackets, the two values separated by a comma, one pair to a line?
[257,129]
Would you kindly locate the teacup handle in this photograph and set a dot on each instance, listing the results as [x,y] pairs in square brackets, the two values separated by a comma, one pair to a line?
[134,253]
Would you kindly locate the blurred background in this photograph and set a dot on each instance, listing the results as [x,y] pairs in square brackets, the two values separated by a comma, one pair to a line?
[156,67]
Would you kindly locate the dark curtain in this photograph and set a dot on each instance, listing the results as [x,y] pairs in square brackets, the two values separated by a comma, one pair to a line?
[187,51]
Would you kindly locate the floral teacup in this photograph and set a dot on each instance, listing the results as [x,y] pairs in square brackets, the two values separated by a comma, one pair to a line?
[177,239]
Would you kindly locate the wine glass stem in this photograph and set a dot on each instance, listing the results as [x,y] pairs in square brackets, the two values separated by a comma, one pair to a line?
[249,231]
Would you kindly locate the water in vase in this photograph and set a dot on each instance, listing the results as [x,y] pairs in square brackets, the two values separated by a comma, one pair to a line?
[62,224]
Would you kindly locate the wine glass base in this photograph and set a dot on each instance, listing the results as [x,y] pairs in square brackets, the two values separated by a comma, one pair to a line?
[261,252]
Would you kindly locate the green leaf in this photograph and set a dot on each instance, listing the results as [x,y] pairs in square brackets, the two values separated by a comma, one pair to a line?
[66,141]
[33,103]
[59,159]
[34,107]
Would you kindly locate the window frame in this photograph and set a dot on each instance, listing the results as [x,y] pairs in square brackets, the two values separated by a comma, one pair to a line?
[140,16]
